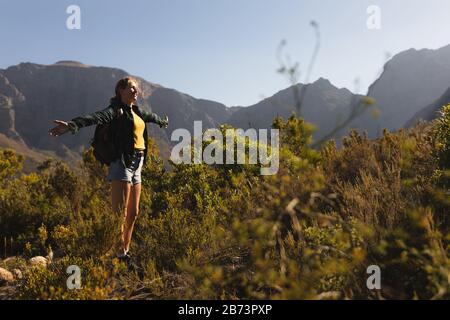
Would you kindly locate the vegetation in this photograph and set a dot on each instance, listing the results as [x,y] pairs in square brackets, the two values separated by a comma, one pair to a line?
[226,232]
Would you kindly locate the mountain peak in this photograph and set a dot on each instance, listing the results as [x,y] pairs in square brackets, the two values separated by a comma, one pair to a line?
[70,63]
[325,84]
[410,80]
[322,81]
[413,53]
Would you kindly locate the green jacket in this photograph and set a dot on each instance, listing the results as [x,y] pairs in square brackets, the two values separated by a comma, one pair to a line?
[123,127]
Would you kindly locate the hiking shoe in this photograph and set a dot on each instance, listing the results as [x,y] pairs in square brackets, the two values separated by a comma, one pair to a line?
[124,258]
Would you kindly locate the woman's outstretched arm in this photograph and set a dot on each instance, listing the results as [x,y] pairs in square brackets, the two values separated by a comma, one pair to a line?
[153,117]
[99,117]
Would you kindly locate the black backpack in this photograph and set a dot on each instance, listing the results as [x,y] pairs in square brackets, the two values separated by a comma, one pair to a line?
[104,148]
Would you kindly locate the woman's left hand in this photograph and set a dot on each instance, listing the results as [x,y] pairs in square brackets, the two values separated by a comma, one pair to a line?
[165,123]
[61,128]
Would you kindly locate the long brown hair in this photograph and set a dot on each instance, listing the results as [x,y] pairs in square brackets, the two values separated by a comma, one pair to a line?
[120,85]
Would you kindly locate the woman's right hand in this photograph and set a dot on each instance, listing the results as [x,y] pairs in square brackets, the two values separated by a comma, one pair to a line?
[60,129]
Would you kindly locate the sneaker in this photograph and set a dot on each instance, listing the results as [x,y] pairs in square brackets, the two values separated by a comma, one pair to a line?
[124,257]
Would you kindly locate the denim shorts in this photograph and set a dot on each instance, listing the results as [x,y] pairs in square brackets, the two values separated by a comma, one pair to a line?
[118,172]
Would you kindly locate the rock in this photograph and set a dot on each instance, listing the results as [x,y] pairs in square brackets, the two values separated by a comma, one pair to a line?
[7,124]
[329,295]
[8,292]
[38,261]
[10,260]
[5,276]
[17,274]
[49,257]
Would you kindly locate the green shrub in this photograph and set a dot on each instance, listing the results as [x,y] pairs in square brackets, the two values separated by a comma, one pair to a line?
[225,231]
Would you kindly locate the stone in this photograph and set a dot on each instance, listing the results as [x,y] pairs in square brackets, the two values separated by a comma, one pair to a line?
[10,260]
[49,257]
[329,295]
[38,261]
[17,274]
[5,276]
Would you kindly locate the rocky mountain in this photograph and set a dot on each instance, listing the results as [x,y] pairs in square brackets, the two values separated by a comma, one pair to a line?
[411,80]
[431,111]
[183,110]
[59,91]
[9,96]
[323,104]
[33,95]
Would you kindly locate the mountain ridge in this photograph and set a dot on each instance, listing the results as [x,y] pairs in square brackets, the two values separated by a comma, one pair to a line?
[65,89]
[410,80]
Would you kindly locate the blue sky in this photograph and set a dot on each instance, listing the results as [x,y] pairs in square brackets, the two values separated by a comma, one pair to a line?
[222,50]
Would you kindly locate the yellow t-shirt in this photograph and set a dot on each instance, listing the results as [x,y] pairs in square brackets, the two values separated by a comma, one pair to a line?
[139,126]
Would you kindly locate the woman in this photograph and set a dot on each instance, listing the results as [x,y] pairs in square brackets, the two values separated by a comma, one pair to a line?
[130,139]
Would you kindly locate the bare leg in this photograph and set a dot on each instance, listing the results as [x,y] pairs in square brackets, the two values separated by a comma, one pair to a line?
[120,195]
[132,213]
